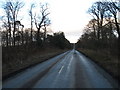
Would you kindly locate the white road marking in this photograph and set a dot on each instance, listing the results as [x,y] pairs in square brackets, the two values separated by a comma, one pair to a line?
[70,62]
[61,69]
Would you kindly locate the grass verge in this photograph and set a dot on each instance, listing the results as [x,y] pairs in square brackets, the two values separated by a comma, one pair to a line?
[11,67]
[107,61]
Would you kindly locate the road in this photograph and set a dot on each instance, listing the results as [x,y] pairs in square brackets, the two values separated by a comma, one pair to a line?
[68,70]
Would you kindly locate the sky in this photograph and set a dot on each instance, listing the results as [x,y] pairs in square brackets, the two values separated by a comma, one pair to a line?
[69,16]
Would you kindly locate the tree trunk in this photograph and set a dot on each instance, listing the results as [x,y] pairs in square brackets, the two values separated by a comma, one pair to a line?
[38,35]
[31,28]
[14,29]
[117,26]
[118,31]
[22,38]
[118,48]
[98,31]
[9,26]
[45,34]
[7,39]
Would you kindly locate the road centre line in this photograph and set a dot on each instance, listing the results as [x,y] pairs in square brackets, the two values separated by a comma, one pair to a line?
[61,69]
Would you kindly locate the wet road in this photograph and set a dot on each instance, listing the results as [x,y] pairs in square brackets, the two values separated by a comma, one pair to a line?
[68,70]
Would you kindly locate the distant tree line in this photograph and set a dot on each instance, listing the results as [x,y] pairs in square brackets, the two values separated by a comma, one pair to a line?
[103,31]
[14,32]
[58,39]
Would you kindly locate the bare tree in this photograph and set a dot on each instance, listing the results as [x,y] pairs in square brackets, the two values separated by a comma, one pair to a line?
[114,8]
[46,23]
[31,17]
[92,26]
[101,11]
[14,7]
[40,19]
[7,22]
[98,10]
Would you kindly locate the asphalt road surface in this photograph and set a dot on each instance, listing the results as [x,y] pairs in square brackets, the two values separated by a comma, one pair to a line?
[68,70]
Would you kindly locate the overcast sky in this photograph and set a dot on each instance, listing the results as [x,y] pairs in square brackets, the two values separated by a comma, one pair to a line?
[69,16]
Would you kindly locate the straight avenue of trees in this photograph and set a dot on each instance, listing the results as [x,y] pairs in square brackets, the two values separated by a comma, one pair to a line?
[101,35]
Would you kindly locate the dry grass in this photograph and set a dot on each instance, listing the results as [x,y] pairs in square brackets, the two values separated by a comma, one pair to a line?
[107,61]
[16,63]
